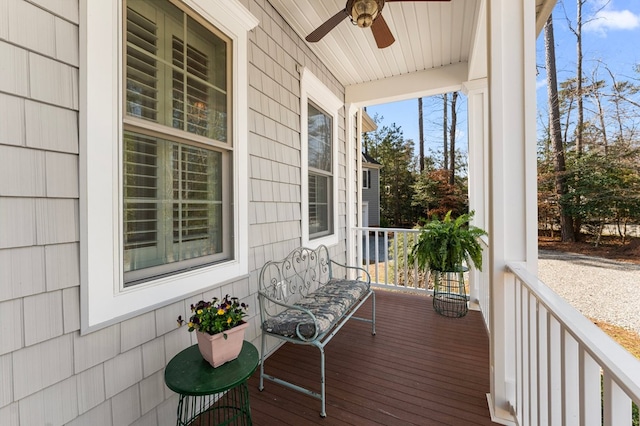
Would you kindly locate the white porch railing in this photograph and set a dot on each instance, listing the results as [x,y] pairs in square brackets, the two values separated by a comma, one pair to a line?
[563,361]
[385,253]
[566,371]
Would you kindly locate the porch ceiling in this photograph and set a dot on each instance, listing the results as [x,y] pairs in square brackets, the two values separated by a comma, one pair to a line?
[429,36]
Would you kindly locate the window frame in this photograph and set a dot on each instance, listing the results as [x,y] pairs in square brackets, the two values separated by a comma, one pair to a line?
[104,300]
[162,127]
[366,178]
[313,90]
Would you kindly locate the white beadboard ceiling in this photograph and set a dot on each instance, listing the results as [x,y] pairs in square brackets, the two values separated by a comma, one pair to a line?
[428,35]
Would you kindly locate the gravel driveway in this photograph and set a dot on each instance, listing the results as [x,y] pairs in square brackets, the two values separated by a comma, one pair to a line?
[601,289]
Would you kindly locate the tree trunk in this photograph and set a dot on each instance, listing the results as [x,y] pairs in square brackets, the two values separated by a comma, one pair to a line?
[421,135]
[452,138]
[577,223]
[445,127]
[555,133]
[580,124]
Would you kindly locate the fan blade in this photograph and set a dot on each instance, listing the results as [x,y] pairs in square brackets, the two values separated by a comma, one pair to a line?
[382,33]
[323,30]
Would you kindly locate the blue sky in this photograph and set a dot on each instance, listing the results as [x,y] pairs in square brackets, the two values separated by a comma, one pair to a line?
[611,34]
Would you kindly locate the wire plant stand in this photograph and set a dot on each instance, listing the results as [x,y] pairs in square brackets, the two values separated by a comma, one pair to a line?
[450,293]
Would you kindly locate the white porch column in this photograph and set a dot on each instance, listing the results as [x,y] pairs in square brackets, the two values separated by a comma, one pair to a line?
[478,128]
[512,179]
[354,185]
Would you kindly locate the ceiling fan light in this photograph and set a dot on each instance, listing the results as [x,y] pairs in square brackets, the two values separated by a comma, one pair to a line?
[365,20]
[363,12]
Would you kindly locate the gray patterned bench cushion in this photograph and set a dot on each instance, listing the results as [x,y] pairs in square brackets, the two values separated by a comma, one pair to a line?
[328,304]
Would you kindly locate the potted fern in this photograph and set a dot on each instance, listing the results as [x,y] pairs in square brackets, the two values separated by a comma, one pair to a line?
[446,248]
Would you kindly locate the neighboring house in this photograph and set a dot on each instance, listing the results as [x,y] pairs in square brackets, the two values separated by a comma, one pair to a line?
[370,191]
[153,153]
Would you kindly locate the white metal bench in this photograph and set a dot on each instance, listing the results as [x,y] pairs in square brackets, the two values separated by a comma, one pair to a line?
[303,303]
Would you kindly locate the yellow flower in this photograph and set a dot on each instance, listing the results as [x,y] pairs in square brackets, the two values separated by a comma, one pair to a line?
[190,324]
[220,311]
[199,312]
[229,320]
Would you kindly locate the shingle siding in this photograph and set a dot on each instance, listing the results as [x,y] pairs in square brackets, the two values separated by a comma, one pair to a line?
[36,36]
[6,384]
[91,391]
[14,72]
[12,117]
[42,365]
[46,311]
[115,375]
[51,128]
[17,222]
[24,170]
[22,272]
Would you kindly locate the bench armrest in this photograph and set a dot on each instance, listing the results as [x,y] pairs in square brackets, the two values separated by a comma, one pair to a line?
[263,296]
[365,277]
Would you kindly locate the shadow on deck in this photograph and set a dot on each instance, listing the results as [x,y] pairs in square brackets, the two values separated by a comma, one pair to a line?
[419,369]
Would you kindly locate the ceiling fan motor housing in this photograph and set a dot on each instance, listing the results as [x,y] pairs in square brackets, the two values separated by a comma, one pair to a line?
[364,12]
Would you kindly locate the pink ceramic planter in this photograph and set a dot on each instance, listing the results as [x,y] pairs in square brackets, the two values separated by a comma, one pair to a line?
[217,350]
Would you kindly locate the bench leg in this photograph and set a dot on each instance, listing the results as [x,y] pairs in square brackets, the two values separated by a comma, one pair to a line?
[262,345]
[373,313]
[323,412]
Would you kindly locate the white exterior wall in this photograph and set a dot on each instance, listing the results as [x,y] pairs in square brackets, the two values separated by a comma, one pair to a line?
[48,371]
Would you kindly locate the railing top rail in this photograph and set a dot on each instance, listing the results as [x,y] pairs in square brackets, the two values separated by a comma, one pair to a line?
[369,228]
[623,367]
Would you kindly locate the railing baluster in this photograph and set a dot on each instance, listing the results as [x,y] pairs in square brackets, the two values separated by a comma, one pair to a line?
[386,257]
[377,253]
[395,263]
[590,401]
[617,405]
[406,260]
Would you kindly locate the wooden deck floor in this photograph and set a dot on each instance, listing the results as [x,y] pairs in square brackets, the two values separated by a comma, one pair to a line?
[419,369]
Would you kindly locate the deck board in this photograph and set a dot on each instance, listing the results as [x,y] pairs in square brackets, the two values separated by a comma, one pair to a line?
[419,369]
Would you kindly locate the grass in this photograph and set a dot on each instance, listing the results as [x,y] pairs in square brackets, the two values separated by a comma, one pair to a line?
[626,338]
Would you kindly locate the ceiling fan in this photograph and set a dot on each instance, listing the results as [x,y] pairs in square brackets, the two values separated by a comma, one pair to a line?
[365,14]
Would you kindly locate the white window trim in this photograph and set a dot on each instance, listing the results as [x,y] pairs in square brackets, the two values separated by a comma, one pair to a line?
[366,183]
[312,89]
[101,269]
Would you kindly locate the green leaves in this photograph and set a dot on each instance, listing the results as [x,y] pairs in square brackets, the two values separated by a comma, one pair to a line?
[445,245]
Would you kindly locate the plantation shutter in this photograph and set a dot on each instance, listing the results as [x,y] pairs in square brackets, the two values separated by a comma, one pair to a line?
[142,78]
[194,101]
[197,191]
[140,191]
[173,193]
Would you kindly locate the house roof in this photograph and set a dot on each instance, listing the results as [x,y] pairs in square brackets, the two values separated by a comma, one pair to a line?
[368,125]
[446,38]
[369,161]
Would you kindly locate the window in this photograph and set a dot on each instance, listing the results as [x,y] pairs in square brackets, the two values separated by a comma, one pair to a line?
[163,163]
[320,111]
[176,193]
[366,179]
[320,172]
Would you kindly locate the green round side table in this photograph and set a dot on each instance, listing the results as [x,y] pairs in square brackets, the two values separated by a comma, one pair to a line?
[217,396]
